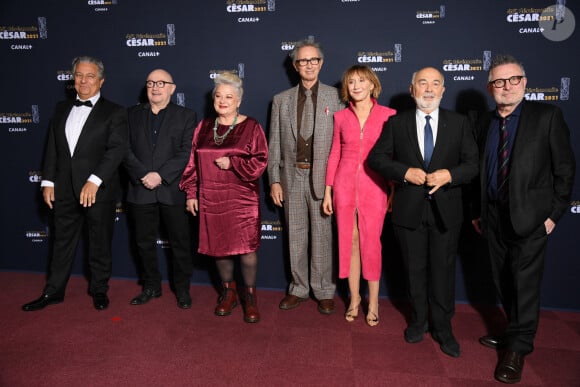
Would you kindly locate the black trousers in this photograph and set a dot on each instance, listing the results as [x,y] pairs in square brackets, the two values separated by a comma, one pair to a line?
[69,219]
[429,255]
[518,266]
[146,219]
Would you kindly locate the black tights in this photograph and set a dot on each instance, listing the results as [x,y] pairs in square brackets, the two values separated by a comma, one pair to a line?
[249,264]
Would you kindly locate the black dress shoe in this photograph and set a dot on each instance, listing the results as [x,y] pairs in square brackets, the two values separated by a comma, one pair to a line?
[184,301]
[490,341]
[414,333]
[447,343]
[145,296]
[509,368]
[42,302]
[100,301]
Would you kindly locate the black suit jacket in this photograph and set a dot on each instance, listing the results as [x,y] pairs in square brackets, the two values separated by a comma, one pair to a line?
[99,151]
[397,150]
[168,157]
[541,171]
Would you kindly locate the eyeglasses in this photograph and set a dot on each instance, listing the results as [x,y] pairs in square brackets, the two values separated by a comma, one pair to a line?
[513,80]
[304,62]
[159,84]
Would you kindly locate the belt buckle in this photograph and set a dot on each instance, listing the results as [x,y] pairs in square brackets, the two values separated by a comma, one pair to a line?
[302,165]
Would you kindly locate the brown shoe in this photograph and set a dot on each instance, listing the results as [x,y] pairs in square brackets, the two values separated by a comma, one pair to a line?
[228,300]
[291,301]
[509,368]
[326,306]
[251,313]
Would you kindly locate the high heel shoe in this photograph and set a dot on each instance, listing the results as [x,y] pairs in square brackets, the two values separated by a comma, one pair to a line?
[352,313]
[372,317]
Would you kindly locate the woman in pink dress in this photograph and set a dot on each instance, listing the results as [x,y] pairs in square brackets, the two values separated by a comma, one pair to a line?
[355,193]
[221,180]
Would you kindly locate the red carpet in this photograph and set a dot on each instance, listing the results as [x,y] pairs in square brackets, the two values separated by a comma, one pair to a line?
[157,344]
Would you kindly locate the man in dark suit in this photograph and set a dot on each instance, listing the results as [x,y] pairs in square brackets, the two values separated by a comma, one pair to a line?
[429,153]
[80,182]
[301,128]
[160,134]
[527,170]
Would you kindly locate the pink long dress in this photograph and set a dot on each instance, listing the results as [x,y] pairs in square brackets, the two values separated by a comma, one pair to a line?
[229,200]
[356,188]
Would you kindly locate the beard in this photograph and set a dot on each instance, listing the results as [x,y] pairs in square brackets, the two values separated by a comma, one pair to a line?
[424,104]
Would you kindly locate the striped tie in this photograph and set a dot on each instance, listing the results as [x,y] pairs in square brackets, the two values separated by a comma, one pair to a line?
[502,162]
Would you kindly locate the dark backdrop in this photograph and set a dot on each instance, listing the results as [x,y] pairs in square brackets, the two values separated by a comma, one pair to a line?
[195,39]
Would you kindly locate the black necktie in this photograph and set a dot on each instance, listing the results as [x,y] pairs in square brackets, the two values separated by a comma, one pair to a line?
[78,102]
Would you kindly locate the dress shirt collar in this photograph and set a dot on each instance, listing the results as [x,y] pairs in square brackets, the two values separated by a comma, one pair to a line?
[314,88]
[93,99]
[434,115]
[516,113]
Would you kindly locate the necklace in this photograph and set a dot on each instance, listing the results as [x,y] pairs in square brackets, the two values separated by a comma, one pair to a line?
[220,139]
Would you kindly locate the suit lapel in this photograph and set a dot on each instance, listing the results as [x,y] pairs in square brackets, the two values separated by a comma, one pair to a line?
[293,106]
[412,133]
[85,135]
[526,120]
[321,105]
[62,127]
[442,137]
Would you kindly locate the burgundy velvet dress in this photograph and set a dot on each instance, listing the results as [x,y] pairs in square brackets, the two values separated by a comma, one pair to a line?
[229,200]
[357,188]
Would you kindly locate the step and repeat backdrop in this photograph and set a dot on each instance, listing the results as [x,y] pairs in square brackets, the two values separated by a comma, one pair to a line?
[194,40]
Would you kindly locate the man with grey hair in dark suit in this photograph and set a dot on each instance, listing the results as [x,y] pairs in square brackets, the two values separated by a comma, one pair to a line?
[86,143]
[301,131]
[527,170]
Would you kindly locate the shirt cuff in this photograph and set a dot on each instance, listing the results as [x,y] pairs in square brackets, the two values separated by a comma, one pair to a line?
[95,179]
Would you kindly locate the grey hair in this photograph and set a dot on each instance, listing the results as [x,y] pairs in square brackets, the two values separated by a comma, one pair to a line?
[415,74]
[230,79]
[306,43]
[504,59]
[89,59]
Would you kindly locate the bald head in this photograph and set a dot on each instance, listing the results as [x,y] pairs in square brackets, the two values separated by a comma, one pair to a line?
[160,97]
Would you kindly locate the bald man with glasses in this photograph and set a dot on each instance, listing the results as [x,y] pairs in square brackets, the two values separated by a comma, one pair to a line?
[160,134]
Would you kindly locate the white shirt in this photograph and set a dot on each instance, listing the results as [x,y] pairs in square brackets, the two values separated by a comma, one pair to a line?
[420,119]
[73,128]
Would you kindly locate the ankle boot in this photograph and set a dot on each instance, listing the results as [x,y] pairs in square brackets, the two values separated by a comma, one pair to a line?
[251,313]
[228,300]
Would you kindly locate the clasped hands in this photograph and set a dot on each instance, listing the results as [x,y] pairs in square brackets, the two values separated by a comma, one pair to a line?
[151,180]
[436,179]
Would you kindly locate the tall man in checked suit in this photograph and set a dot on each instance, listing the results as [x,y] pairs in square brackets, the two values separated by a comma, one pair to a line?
[80,182]
[429,153]
[301,130]
[520,205]
[160,134]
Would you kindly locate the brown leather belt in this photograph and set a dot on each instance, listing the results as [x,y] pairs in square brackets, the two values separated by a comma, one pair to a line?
[302,165]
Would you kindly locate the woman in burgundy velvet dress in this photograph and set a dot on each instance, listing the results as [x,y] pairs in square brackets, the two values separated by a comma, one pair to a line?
[229,154]
[354,192]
